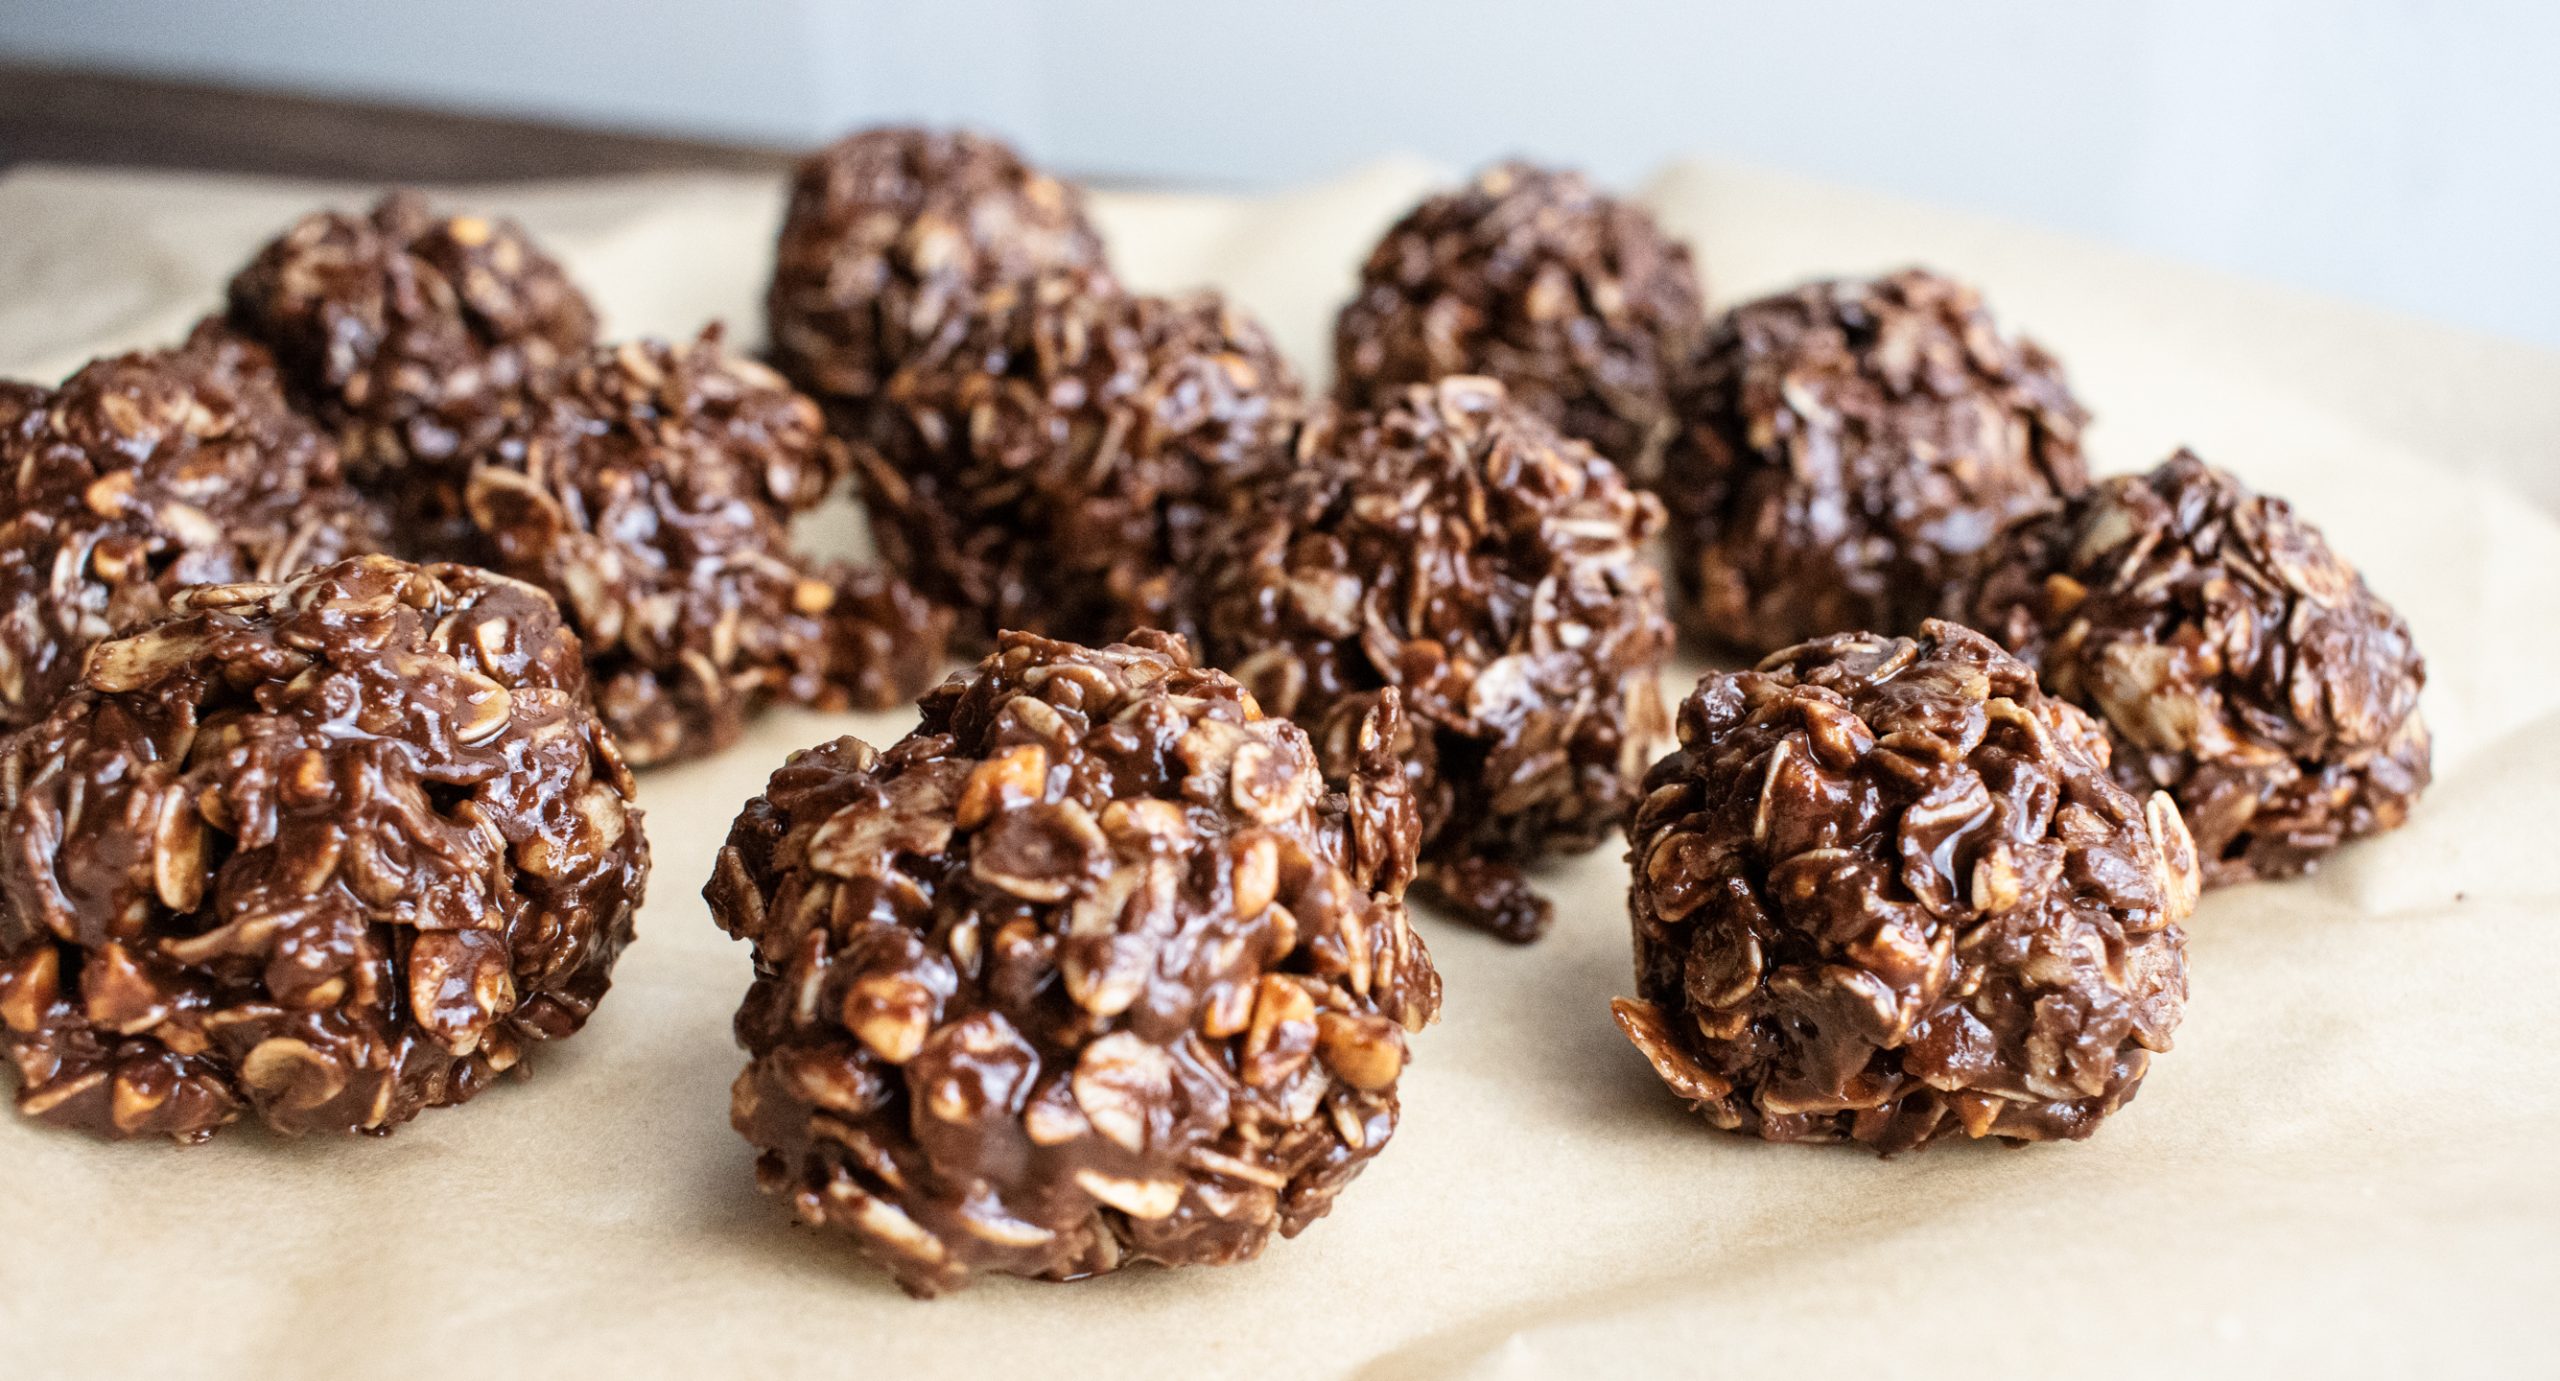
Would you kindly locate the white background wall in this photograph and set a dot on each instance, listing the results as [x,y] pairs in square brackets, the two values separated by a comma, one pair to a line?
[2404,153]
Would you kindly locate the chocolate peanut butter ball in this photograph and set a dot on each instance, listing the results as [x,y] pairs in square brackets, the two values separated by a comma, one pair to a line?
[143,474]
[331,852]
[1847,449]
[649,488]
[1052,467]
[1456,549]
[414,337]
[2236,661]
[1575,300]
[894,240]
[1091,968]
[1886,892]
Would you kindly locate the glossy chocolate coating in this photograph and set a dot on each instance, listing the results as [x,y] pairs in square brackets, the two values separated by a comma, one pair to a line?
[650,488]
[1454,547]
[1886,892]
[1574,299]
[896,238]
[413,337]
[327,853]
[1847,449]
[1055,466]
[2237,662]
[1088,969]
[143,474]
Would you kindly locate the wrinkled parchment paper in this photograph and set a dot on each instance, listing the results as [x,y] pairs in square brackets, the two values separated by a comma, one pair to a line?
[2344,1168]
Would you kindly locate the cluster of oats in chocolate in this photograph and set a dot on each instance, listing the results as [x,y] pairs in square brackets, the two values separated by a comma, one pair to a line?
[295,826]
[329,852]
[1453,549]
[1038,446]
[648,487]
[432,387]
[1888,889]
[1891,890]
[1868,455]
[1108,960]
[1095,966]
[1887,892]
[1575,300]
[1051,453]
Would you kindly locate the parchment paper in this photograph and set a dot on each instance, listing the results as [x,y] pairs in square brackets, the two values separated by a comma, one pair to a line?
[2343,1168]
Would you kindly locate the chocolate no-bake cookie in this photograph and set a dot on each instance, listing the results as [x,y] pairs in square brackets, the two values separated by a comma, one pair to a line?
[1575,300]
[330,852]
[896,238]
[650,488]
[1886,892]
[2237,662]
[1052,466]
[1845,451]
[142,474]
[1458,549]
[414,338]
[1091,968]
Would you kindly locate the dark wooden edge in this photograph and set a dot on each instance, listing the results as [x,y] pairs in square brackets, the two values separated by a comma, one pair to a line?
[58,115]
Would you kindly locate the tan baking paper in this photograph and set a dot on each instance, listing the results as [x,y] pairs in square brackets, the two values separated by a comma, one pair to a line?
[2343,1169]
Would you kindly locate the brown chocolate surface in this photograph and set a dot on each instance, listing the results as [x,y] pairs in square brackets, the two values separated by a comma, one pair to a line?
[1886,892]
[650,488]
[1458,549]
[1575,300]
[1845,451]
[2237,662]
[140,475]
[329,852]
[1088,969]
[1052,467]
[414,338]
[896,239]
